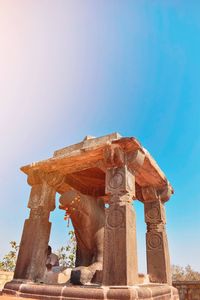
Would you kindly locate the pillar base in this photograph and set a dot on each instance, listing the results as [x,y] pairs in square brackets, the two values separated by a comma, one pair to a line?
[90,292]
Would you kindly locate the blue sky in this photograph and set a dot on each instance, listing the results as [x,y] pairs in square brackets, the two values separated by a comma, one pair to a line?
[74,68]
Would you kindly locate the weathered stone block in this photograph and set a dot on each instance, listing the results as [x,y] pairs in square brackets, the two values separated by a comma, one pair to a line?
[120,249]
[120,180]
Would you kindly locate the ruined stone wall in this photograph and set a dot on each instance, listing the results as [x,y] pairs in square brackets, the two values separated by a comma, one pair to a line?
[5,277]
[188,290]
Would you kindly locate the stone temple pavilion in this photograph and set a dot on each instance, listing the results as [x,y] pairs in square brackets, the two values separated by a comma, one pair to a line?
[98,180]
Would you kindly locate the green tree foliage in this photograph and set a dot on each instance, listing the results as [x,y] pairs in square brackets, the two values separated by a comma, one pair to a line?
[184,274]
[9,260]
[67,254]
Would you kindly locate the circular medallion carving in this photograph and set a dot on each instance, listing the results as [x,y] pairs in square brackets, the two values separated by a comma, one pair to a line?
[154,241]
[153,213]
[116,181]
[115,218]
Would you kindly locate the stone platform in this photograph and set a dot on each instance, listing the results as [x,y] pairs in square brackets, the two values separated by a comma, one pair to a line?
[91,292]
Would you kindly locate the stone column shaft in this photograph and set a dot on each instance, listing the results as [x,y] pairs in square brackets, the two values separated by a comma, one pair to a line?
[158,260]
[32,253]
[120,249]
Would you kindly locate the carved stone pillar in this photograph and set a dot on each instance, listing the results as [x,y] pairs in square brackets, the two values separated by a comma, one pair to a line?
[32,253]
[158,260]
[120,250]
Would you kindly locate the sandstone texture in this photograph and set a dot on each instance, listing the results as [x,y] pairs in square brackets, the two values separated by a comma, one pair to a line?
[98,179]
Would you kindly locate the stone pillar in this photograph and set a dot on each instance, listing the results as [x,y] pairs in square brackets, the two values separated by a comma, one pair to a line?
[120,250]
[32,253]
[158,260]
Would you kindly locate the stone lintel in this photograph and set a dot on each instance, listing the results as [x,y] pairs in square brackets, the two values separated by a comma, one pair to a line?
[104,152]
[88,141]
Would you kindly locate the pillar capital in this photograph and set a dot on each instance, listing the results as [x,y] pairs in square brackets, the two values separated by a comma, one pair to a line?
[53,179]
[44,186]
[135,160]
[35,177]
[120,181]
[151,193]
[114,156]
[154,212]
[42,195]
